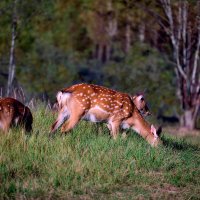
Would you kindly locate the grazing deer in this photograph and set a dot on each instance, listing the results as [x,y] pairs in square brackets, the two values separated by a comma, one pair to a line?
[14,113]
[96,104]
[138,100]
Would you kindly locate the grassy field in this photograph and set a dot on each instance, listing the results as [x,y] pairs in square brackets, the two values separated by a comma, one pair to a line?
[89,164]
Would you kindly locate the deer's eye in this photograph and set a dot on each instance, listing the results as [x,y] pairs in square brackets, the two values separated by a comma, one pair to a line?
[142,99]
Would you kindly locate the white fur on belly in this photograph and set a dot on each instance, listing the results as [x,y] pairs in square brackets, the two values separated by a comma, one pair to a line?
[125,125]
[90,116]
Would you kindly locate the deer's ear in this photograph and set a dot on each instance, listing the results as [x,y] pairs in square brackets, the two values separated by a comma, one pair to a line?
[141,97]
[153,130]
[156,132]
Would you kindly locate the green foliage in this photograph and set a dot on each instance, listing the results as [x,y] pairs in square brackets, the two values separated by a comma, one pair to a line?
[143,69]
[58,44]
[88,163]
[51,69]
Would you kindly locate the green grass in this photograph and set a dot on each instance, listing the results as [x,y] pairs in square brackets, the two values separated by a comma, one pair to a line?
[88,164]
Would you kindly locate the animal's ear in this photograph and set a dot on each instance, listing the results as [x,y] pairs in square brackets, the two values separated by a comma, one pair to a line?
[141,97]
[153,130]
[159,131]
[156,132]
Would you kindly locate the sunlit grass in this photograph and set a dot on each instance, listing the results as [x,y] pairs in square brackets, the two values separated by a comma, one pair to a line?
[88,163]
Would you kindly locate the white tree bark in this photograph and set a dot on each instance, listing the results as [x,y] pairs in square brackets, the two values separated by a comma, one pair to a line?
[12,65]
[187,62]
[128,37]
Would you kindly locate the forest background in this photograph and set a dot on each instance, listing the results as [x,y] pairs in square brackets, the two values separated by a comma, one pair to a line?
[128,45]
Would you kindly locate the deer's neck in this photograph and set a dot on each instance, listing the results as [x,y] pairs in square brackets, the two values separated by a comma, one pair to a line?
[141,126]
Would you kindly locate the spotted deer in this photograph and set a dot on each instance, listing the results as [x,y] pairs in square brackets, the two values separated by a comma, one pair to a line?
[138,100]
[97,103]
[14,113]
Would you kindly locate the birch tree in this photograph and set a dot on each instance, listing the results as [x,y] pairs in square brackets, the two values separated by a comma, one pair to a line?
[183,29]
[12,64]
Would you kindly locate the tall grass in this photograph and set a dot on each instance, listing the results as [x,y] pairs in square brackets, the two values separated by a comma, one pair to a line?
[88,164]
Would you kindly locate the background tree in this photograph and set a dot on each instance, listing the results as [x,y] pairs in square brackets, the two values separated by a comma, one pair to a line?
[112,43]
[183,28]
[12,64]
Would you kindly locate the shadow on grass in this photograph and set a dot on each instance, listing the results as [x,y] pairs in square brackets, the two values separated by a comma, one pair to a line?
[179,144]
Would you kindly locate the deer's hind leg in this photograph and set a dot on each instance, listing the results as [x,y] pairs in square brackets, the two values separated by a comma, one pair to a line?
[63,114]
[76,113]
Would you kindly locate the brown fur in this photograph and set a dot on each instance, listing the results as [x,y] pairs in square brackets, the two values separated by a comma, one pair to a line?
[14,113]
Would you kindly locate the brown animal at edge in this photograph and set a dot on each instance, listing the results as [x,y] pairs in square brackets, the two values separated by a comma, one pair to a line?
[14,113]
[97,103]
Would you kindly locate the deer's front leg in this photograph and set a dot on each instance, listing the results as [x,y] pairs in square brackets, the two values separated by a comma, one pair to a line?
[114,128]
[5,124]
[124,134]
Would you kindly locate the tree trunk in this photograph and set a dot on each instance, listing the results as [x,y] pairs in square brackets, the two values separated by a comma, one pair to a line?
[128,37]
[12,66]
[100,53]
[188,120]
[142,32]
[186,54]
[108,51]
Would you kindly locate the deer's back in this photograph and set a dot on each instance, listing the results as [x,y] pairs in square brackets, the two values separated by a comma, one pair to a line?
[101,99]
